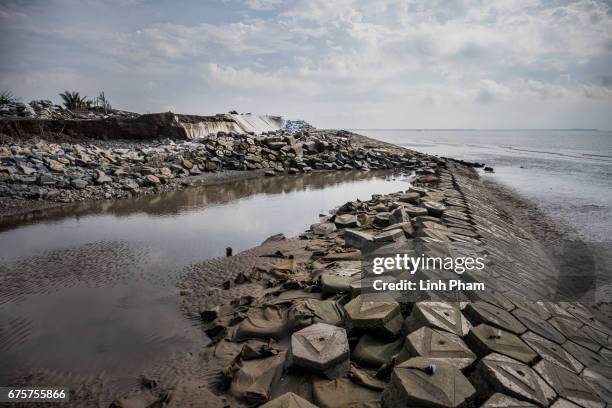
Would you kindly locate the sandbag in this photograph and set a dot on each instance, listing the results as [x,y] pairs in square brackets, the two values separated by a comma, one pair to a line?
[305,312]
[343,393]
[262,323]
[252,380]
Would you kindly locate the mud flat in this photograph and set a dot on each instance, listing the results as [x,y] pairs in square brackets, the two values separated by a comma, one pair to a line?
[291,322]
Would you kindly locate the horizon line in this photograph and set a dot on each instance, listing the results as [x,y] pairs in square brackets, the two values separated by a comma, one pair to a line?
[490,129]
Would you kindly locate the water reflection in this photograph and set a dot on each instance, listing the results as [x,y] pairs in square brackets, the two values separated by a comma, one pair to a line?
[90,287]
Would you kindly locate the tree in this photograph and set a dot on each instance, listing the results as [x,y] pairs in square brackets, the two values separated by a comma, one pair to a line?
[72,100]
[103,103]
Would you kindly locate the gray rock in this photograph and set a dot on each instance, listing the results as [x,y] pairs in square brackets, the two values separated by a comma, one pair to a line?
[322,349]
[79,184]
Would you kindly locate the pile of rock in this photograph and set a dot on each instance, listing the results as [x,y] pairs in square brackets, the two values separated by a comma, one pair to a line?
[45,109]
[317,337]
[74,171]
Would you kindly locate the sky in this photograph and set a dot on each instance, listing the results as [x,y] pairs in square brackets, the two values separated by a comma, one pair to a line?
[342,63]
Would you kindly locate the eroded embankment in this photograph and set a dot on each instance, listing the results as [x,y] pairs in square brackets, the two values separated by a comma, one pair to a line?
[500,347]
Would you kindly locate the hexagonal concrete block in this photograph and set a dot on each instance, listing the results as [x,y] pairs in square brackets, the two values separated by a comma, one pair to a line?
[437,345]
[378,314]
[584,355]
[539,326]
[321,348]
[483,312]
[498,400]
[572,329]
[485,339]
[568,385]
[424,382]
[288,400]
[600,379]
[552,352]
[498,373]
[438,315]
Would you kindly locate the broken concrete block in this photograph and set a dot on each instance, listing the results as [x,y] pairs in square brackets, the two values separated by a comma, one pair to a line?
[438,315]
[552,352]
[437,345]
[485,339]
[424,382]
[356,239]
[323,228]
[346,221]
[498,373]
[482,312]
[568,385]
[375,313]
[321,348]
[390,235]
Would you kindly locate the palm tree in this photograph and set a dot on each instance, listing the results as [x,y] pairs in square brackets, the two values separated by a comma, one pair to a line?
[103,103]
[72,100]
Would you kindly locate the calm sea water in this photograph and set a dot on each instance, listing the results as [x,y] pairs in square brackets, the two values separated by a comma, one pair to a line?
[567,173]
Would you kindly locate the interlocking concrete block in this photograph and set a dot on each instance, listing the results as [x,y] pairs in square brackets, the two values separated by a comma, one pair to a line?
[584,355]
[424,382]
[539,326]
[498,373]
[600,379]
[551,352]
[483,312]
[437,345]
[321,348]
[572,329]
[498,400]
[568,385]
[437,315]
[485,339]
[378,314]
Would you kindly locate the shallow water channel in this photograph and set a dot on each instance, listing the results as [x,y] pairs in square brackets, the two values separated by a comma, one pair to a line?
[90,288]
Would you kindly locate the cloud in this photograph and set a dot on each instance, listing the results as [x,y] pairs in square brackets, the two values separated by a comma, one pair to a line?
[358,56]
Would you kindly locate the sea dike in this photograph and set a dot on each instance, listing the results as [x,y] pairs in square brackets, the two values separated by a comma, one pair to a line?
[296,321]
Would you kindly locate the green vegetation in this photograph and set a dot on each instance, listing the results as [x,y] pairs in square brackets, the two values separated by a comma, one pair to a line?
[73,100]
[7,97]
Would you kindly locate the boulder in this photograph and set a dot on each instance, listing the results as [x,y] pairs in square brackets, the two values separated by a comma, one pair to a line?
[323,228]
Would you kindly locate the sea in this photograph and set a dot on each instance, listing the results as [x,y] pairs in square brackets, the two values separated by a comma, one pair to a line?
[566,173]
